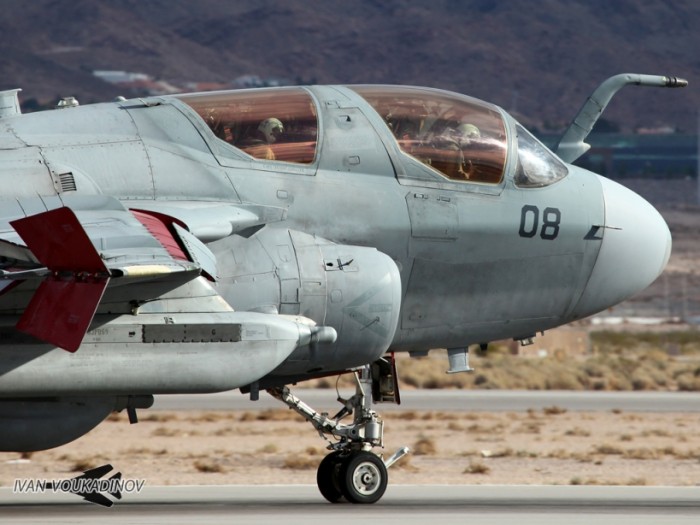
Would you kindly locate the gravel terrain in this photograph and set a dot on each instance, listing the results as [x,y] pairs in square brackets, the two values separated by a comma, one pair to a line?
[549,446]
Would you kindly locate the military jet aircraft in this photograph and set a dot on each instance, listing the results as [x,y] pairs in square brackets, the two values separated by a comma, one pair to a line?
[254,239]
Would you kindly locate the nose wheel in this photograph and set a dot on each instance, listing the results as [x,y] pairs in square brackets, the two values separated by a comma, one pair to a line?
[359,477]
[363,477]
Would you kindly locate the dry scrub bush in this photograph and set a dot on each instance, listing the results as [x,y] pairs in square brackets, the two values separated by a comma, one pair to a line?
[208,466]
[577,480]
[577,432]
[424,447]
[688,382]
[686,454]
[279,414]
[455,427]
[308,459]
[503,453]
[405,463]
[581,457]
[159,417]
[554,410]
[300,462]
[477,428]
[144,451]
[642,453]
[81,465]
[410,415]
[226,431]
[608,450]
[165,432]
[655,432]
[476,467]
[210,417]
[529,427]
[620,361]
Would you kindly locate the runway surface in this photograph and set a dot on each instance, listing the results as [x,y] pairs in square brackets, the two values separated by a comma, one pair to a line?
[404,504]
[454,400]
[301,504]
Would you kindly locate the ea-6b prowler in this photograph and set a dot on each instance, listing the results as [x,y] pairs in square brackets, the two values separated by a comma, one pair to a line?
[258,238]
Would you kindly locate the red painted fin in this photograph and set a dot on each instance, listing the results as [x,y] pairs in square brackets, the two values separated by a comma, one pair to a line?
[157,226]
[59,242]
[60,312]
[62,308]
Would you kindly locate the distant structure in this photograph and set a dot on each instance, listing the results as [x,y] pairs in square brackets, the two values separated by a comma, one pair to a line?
[137,82]
[144,84]
[120,77]
[254,81]
[639,155]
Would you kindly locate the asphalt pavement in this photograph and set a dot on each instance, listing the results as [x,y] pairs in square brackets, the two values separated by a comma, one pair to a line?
[453,400]
[405,504]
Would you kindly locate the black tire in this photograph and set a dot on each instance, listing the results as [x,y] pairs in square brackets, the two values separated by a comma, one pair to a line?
[363,478]
[327,477]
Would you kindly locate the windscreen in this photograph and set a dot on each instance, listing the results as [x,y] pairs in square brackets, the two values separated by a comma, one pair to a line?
[537,166]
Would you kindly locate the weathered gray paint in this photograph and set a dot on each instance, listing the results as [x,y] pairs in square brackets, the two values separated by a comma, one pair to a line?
[365,240]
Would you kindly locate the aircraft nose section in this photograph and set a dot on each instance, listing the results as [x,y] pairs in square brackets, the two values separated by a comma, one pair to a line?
[636,245]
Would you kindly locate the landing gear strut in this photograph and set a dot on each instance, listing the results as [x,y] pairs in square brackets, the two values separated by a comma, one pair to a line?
[352,471]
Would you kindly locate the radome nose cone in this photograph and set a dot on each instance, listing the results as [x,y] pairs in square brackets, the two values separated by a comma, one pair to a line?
[635,248]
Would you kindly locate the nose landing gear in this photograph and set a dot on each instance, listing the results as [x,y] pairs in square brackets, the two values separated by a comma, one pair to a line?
[352,471]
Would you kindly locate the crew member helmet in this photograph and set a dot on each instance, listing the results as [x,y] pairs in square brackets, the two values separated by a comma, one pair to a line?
[271,128]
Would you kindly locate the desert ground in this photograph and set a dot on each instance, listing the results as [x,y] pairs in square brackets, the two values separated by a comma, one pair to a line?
[549,446]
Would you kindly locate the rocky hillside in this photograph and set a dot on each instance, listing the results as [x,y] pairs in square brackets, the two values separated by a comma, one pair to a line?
[537,58]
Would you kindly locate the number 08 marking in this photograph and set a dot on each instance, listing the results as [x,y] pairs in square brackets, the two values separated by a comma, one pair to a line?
[530,222]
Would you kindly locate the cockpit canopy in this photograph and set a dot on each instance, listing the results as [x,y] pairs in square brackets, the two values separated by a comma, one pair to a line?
[455,136]
[460,137]
[269,124]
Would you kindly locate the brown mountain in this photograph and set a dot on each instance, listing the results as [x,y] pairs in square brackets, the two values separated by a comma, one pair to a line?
[538,58]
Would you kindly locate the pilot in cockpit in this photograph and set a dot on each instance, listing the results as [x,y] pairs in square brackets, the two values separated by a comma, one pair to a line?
[449,151]
[258,143]
[468,134]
